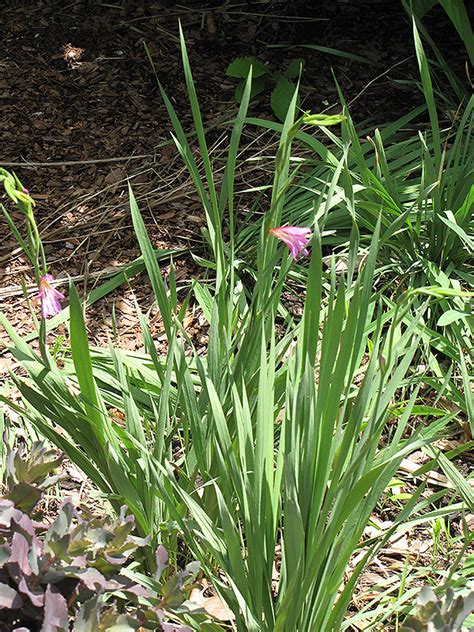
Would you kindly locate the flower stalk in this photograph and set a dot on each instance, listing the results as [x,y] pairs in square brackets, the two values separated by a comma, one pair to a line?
[32,246]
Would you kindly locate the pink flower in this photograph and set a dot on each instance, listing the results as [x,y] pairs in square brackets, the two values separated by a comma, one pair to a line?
[49,297]
[295,237]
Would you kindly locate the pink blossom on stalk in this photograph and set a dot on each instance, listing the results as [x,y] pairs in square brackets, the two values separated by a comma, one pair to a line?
[49,297]
[295,237]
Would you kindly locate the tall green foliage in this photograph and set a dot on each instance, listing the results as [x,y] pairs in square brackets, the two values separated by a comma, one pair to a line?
[264,455]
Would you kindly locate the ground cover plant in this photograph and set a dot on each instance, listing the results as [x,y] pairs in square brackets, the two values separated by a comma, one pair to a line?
[73,570]
[265,458]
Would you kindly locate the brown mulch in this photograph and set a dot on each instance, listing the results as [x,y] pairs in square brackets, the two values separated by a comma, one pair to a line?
[81,105]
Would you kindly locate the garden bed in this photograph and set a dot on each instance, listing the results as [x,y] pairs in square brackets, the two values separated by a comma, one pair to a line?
[82,119]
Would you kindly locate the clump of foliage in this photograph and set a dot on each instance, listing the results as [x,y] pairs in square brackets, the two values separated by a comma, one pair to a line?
[52,574]
[286,434]
[281,83]
[439,615]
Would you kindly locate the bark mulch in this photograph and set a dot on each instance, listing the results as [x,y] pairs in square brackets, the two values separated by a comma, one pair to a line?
[81,113]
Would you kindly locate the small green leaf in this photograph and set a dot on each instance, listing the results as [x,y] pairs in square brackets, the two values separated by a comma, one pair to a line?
[258,86]
[295,67]
[281,97]
[323,120]
[240,68]
[451,316]
[204,298]
[24,496]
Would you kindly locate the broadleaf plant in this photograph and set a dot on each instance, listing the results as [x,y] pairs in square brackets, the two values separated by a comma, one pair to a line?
[282,84]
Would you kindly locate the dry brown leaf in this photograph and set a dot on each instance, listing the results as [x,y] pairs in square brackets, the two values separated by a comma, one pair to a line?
[435,478]
[125,307]
[448,444]
[418,457]
[188,320]
[212,605]
[167,215]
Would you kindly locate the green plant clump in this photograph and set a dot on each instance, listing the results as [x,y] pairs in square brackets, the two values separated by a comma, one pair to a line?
[266,457]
